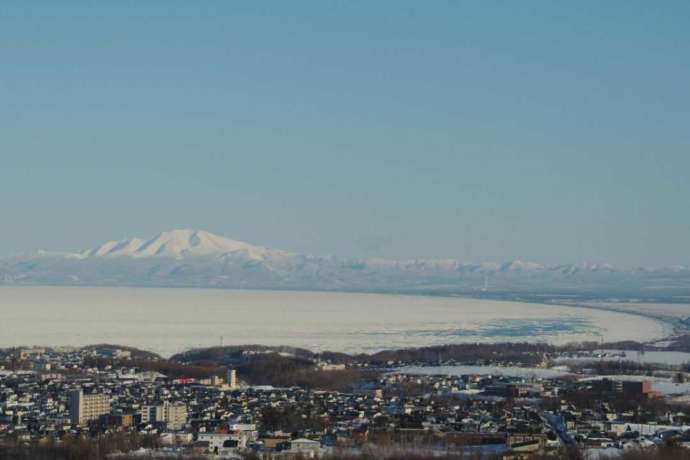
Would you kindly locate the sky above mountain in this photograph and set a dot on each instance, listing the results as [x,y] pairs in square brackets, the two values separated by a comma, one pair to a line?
[543,130]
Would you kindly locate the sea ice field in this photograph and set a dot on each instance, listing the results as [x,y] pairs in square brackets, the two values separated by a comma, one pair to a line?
[167,321]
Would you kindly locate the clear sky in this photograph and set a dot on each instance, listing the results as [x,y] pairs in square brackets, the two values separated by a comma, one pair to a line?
[488,130]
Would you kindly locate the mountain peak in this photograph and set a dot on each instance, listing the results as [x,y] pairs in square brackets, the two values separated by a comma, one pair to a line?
[518,265]
[178,244]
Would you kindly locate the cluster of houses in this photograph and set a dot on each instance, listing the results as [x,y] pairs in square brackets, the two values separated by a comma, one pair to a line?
[55,394]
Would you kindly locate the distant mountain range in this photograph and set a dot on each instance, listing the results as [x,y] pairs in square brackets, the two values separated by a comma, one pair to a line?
[191,258]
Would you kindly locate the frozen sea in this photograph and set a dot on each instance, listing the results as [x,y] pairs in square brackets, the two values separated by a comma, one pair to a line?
[167,321]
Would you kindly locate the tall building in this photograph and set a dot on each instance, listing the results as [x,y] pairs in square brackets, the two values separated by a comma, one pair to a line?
[173,415]
[85,408]
[231,379]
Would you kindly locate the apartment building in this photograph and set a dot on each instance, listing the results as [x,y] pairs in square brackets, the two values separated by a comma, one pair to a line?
[173,415]
[86,408]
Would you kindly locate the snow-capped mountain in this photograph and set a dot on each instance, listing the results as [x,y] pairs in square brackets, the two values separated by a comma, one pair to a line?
[201,259]
[180,244]
[520,266]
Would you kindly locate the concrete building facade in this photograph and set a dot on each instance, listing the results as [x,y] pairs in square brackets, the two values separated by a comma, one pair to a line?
[86,408]
[173,415]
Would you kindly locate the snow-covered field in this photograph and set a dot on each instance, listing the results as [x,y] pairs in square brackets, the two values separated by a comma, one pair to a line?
[671,358]
[509,371]
[171,320]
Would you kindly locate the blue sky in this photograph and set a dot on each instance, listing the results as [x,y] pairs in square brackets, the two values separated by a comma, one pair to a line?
[549,131]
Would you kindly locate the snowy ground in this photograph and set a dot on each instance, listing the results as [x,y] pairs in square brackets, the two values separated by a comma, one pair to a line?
[171,320]
[672,358]
[664,385]
[509,371]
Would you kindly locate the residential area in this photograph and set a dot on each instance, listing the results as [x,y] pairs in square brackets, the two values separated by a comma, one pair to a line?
[53,396]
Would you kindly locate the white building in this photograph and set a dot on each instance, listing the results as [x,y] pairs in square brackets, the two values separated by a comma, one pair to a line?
[222,443]
[305,447]
[173,415]
[85,408]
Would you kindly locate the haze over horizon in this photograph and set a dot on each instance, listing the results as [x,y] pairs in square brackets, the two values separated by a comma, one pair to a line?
[556,133]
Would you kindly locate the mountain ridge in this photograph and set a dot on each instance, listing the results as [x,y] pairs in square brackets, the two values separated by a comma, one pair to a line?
[196,258]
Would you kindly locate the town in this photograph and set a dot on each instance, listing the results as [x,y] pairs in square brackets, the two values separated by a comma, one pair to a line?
[134,403]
